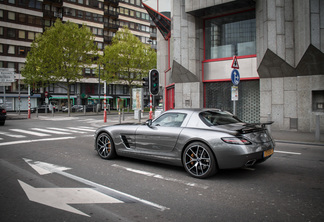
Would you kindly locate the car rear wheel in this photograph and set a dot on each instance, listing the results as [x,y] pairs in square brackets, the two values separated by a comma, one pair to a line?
[105,146]
[199,161]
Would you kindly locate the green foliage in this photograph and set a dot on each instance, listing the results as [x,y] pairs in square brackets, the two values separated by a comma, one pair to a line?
[59,54]
[127,59]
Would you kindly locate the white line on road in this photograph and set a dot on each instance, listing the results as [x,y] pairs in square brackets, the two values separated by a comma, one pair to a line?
[65,130]
[12,135]
[31,141]
[145,173]
[29,132]
[49,131]
[82,129]
[293,153]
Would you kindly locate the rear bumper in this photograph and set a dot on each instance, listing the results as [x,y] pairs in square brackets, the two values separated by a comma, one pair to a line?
[243,156]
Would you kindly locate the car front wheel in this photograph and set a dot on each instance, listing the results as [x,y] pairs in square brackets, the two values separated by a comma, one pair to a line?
[199,161]
[105,146]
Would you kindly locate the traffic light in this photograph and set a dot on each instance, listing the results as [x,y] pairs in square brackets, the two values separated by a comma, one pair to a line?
[146,82]
[32,92]
[154,82]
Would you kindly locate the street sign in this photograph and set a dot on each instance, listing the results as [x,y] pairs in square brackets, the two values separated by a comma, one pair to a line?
[234,93]
[7,76]
[235,77]
[235,64]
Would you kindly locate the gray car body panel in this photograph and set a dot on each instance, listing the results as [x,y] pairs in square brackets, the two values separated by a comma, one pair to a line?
[166,144]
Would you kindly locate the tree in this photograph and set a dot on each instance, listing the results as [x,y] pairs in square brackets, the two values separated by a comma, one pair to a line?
[59,55]
[127,60]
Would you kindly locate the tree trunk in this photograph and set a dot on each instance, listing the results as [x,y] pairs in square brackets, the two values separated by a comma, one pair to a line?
[68,96]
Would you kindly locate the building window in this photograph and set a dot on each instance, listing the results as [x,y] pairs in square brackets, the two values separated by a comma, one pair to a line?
[31,35]
[11,33]
[1,13]
[22,34]
[21,66]
[21,50]
[230,35]
[11,65]
[1,48]
[22,18]
[318,101]
[11,49]
[11,16]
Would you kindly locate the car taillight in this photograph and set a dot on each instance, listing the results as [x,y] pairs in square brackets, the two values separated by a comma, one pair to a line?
[4,111]
[236,140]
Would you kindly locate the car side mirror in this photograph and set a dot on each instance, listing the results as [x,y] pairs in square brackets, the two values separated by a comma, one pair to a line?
[149,122]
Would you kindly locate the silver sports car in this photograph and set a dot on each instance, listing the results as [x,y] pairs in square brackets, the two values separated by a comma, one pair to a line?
[201,140]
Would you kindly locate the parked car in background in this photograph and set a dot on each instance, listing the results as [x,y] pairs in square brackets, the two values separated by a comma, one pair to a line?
[74,108]
[42,109]
[3,116]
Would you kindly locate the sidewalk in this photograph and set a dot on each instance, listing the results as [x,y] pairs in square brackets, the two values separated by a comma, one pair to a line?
[280,136]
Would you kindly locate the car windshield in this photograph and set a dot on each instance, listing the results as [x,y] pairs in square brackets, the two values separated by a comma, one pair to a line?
[215,118]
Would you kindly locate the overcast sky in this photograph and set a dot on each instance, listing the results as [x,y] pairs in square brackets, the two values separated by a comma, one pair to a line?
[164,5]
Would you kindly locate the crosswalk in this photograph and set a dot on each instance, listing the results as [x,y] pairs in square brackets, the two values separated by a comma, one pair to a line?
[45,132]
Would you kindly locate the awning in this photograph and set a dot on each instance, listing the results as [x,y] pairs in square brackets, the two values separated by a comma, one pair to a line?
[124,97]
[61,97]
[11,95]
[101,97]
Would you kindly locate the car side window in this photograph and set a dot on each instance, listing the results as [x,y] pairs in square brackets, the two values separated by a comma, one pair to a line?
[170,120]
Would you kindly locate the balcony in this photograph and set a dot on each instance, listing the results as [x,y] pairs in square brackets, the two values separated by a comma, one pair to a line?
[50,14]
[53,2]
[112,14]
[111,27]
[111,2]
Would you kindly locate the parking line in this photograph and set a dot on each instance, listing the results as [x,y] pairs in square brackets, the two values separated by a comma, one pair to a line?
[39,140]
[149,174]
[50,131]
[29,132]
[293,153]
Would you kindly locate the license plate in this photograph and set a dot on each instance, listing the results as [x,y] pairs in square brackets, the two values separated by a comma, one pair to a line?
[268,152]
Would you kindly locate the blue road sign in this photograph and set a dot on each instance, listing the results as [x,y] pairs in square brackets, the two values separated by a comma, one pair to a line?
[235,76]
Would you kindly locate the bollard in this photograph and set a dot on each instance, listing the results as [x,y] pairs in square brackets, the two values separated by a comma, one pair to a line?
[37,112]
[119,116]
[53,111]
[123,114]
[269,120]
[84,109]
[317,128]
[139,115]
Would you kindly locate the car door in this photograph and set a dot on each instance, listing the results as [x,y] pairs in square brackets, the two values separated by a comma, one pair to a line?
[162,135]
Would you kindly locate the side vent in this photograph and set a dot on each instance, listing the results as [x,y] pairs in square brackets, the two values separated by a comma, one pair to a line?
[125,141]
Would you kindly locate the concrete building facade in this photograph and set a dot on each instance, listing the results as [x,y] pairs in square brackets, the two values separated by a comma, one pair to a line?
[279,46]
[22,20]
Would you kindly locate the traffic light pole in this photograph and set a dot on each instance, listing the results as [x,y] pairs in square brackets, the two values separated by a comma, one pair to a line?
[105,102]
[151,112]
[28,101]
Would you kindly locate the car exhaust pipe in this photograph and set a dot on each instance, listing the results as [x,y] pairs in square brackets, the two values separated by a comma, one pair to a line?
[250,163]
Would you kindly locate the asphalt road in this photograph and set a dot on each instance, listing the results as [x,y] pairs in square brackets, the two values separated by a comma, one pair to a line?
[59,177]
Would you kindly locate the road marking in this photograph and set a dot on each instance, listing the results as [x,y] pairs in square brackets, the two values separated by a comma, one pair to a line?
[12,135]
[46,168]
[29,132]
[49,131]
[32,141]
[158,176]
[65,130]
[293,153]
[82,129]
[60,197]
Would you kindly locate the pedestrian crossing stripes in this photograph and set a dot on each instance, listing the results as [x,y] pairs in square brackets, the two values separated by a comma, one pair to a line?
[45,132]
